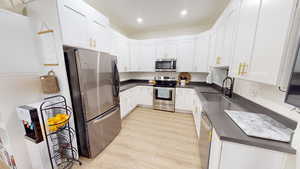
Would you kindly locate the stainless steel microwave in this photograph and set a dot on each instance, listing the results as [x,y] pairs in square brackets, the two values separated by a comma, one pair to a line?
[165,65]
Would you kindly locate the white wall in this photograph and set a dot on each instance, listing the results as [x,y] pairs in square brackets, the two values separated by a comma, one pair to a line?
[270,97]
[19,80]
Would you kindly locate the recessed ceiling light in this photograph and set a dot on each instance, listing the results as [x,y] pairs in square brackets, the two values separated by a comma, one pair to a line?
[183,12]
[139,20]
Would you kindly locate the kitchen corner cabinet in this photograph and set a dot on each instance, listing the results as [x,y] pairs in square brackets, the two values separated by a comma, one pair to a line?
[120,48]
[229,155]
[261,39]
[129,99]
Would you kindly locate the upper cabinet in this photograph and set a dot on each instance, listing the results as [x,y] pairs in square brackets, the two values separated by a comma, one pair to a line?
[142,55]
[186,55]
[167,48]
[271,37]
[261,39]
[247,25]
[120,48]
[202,50]
[148,54]
[82,26]
[74,24]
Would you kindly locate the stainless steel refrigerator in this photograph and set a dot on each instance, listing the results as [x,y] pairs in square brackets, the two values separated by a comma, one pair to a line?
[94,86]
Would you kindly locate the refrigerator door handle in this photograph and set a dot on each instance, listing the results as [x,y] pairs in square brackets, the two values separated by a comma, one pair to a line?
[101,118]
[116,79]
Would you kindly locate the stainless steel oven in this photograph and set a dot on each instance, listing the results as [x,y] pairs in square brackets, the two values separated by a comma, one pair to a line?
[165,65]
[164,98]
[164,94]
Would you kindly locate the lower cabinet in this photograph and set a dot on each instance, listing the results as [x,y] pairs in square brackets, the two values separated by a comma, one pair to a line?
[129,99]
[184,99]
[229,155]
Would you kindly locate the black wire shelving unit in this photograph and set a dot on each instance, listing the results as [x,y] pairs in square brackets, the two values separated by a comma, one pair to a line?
[62,153]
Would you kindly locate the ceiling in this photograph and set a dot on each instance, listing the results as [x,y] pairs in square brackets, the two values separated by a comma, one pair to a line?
[159,14]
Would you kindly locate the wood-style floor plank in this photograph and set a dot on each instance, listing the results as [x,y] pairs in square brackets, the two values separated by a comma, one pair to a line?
[151,139]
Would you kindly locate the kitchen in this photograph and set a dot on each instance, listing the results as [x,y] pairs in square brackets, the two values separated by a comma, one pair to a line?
[204,84]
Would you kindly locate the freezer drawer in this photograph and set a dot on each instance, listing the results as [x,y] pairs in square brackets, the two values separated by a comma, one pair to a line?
[102,131]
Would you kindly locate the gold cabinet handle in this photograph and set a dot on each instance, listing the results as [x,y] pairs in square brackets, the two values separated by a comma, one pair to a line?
[245,68]
[240,69]
[218,61]
[91,43]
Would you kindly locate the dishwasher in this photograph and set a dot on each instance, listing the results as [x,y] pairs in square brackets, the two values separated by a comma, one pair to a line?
[205,140]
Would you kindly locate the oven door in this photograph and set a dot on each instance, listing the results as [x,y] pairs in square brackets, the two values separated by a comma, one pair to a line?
[164,98]
[165,66]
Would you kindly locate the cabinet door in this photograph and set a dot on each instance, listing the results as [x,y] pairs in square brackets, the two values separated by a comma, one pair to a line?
[185,56]
[121,50]
[148,54]
[212,48]
[166,49]
[271,36]
[247,25]
[240,156]
[202,53]
[220,36]
[230,37]
[74,24]
[183,100]
[135,55]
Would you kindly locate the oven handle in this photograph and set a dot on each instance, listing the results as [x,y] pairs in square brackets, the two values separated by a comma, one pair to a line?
[170,88]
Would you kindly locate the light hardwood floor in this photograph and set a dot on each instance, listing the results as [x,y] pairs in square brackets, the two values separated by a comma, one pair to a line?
[151,139]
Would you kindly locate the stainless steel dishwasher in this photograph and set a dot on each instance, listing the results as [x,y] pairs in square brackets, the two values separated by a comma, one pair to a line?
[205,140]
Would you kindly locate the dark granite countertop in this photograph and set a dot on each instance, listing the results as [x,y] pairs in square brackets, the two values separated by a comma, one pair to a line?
[125,85]
[214,104]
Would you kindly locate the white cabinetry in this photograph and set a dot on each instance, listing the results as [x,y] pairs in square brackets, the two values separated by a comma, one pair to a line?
[129,99]
[184,99]
[201,58]
[271,36]
[229,155]
[247,24]
[148,54]
[74,24]
[135,55]
[185,55]
[120,48]
[261,39]
[83,26]
[167,49]
[144,95]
